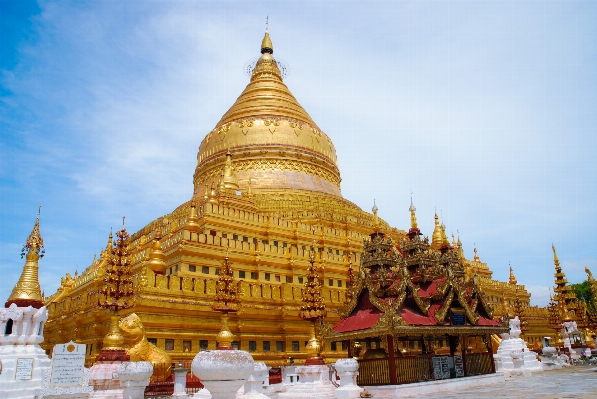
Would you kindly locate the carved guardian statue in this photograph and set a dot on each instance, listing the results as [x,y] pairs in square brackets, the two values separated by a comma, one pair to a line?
[142,350]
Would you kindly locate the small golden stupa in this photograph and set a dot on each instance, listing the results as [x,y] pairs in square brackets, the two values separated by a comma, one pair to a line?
[27,291]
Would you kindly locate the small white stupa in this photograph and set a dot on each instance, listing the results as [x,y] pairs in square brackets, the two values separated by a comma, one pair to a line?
[23,362]
[513,357]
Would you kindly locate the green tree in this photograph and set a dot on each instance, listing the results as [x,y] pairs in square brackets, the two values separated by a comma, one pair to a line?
[584,294]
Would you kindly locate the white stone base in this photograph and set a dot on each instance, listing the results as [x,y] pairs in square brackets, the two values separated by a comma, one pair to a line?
[348,392]
[22,389]
[202,394]
[433,387]
[107,394]
[308,390]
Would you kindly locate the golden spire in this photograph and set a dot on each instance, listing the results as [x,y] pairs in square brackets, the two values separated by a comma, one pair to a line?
[229,180]
[436,238]
[193,220]
[227,299]
[445,242]
[157,259]
[512,278]
[313,307]
[563,292]
[266,43]
[375,217]
[460,250]
[249,192]
[556,261]
[117,291]
[413,216]
[505,305]
[27,290]
[476,257]
[213,196]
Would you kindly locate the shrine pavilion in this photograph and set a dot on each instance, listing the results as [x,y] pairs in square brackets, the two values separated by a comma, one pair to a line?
[412,315]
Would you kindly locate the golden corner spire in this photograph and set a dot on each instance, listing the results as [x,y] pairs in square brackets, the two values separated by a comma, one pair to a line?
[266,43]
[413,215]
[476,257]
[27,291]
[375,217]
[436,237]
[556,261]
[512,280]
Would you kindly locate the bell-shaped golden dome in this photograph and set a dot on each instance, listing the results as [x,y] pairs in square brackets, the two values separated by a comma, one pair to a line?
[272,140]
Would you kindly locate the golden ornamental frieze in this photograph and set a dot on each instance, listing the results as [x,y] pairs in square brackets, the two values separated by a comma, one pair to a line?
[316,168]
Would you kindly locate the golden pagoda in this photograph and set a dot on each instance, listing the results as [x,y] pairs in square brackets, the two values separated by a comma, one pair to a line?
[266,184]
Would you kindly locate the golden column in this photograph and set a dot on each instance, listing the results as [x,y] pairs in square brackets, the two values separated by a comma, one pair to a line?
[116,294]
[226,300]
[27,291]
[313,310]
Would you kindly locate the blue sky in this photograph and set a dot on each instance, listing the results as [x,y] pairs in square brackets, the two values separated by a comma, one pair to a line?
[485,110]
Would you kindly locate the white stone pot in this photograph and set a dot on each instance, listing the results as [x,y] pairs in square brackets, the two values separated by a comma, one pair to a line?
[223,372]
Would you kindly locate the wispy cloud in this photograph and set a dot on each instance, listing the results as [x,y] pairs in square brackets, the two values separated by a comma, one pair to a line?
[485,110]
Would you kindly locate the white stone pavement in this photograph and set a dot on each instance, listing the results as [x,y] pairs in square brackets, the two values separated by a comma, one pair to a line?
[573,382]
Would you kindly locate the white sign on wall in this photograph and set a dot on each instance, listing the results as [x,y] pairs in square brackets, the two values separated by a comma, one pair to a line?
[24,369]
[68,364]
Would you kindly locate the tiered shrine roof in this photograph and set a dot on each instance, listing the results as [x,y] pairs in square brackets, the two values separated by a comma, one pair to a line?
[407,286]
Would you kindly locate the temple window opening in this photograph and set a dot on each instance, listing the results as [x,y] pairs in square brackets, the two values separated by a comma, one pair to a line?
[205,270]
[245,239]
[169,344]
[333,346]
[252,346]
[203,344]
[253,275]
[339,283]
[241,274]
[192,269]
[275,243]
[187,346]
[266,276]
[153,341]
[235,237]
[277,278]
[300,280]
[279,346]
[288,279]
[331,282]
[266,346]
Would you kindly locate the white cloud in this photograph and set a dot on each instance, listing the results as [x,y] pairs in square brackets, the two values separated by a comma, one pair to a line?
[486,112]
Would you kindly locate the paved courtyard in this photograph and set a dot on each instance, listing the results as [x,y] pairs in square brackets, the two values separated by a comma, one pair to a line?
[571,382]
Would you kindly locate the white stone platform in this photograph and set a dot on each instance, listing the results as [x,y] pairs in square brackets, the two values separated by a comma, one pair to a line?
[433,387]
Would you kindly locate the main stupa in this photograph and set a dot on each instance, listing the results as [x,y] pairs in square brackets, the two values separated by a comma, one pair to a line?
[266,189]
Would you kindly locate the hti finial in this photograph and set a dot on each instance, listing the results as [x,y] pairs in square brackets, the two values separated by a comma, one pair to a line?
[266,22]
[38,211]
[124,217]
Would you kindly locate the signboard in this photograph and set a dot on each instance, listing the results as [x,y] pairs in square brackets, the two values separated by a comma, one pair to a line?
[24,370]
[441,367]
[68,365]
[458,319]
[458,366]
